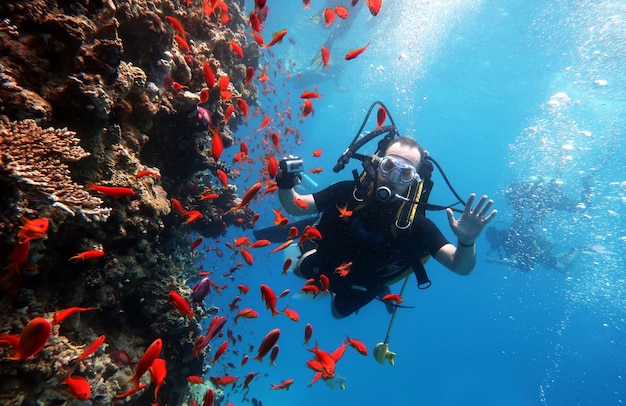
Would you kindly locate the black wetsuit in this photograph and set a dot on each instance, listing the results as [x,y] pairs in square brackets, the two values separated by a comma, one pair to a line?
[366,239]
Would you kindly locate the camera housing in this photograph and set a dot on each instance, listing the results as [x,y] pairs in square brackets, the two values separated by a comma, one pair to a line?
[293,165]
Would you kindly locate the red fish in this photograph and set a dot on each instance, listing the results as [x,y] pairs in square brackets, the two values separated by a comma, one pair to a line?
[264,123]
[341,12]
[92,348]
[381,115]
[310,95]
[243,289]
[357,345]
[223,380]
[183,45]
[282,246]
[177,205]
[214,328]
[306,3]
[282,385]
[91,254]
[141,174]
[306,108]
[277,37]
[255,23]
[181,304]
[246,313]
[355,52]
[63,314]
[151,353]
[374,6]
[343,269]
[220,351]
[78,387]
[242,106]
[249,195]
[260,243]
[229,112]
[286,265]
[158,372]
[32,229]
[268,342]
[269,297]
[292,314]
[31,340]
[325,56]
[344,212]
[324,283]
[209,76]
[317,153]
[274,354]
[176,25]
[392,297]
[316,170]
[236,48]
[111,191]
[194,379]
[293,232]
[247,256]
[308,332]
[196,243]
[329,17]
[301,204]
[221,175]
[131,391]
[280,219]
[248,379]
[249,75]
[272,167]
[217,145]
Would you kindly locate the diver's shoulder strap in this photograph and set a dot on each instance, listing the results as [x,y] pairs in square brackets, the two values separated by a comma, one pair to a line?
[420,273]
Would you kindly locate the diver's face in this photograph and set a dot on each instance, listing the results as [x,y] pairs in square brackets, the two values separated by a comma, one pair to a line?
[404,156]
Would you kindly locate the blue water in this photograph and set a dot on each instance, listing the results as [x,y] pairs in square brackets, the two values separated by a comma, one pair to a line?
[496,91]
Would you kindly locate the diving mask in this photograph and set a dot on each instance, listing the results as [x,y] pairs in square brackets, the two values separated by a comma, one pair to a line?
[397,170]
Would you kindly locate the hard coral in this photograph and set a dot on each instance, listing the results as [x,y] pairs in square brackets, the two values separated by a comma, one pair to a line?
[36,160]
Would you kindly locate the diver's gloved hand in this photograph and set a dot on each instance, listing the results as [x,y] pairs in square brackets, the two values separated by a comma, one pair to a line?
[289,172]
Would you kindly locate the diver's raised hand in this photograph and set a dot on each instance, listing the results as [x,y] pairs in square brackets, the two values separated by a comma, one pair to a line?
[473,220]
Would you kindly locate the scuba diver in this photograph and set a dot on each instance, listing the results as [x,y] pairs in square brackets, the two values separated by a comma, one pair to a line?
[377,222]
[522,246]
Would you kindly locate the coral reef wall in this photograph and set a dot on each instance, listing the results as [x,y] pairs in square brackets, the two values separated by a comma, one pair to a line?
[112,92]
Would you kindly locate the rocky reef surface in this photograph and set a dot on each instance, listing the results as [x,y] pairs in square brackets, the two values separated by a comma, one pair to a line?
[111,92]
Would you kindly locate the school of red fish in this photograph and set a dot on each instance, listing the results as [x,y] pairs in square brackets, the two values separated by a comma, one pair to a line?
[25,346]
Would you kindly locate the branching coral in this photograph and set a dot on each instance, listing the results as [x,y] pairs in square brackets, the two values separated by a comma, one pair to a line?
[37,158]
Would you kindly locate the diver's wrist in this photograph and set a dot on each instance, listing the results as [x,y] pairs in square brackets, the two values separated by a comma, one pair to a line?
[462,244]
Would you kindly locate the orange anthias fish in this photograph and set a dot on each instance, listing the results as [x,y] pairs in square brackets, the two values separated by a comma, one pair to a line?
[381,115]
[236,48]
[374,6]
[325,56]
[308,332]
[268,342]
[151,353]
[357,345]
[220,351]
[209,76]
[310,95]
[316,170]
[272,167]
[181,304]
[269,297]
[343,211]
[254,189]
[63,314]
[242,106]
[392,297]
[306,108]
[282,246]
[285,384]
[343,269]
[341,12]
[301,204]
[142,174]
[280,219]
[111,191]
[317,153]
[355,52]
[329,17]
[158,372]
[217,145]
[246,313]
[247,256]
[78,387]
[292,314]
[92,348]
[176,25]
[32,230]
[223,380]
[31,340]
[221,175]
[277,37]
[91,254]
